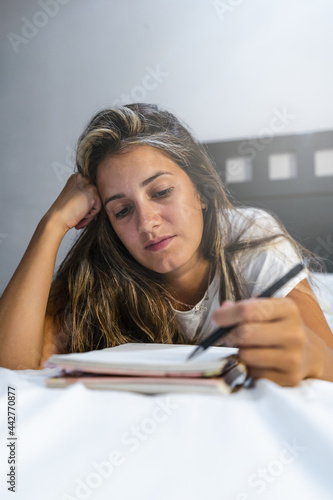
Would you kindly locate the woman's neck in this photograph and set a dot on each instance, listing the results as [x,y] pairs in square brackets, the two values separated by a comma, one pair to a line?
[189,285]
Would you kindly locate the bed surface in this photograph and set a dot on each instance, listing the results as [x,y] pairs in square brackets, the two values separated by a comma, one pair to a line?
[266,442]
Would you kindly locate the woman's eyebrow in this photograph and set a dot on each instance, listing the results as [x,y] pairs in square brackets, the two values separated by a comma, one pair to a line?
[143,184]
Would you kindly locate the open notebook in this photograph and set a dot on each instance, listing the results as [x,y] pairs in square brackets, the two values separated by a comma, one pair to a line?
[151,369]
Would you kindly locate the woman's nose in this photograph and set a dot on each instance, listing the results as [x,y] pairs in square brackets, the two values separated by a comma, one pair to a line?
[147,217]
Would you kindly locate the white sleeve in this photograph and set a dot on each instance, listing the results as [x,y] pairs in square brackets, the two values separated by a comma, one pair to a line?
[262,266]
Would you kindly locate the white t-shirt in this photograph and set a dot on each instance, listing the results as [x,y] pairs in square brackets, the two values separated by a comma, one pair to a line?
[260,267]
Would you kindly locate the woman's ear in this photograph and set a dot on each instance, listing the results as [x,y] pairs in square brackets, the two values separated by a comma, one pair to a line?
[204,202]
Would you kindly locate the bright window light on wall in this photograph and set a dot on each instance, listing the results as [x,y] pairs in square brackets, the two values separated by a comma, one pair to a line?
[282,166]
[324,163]
[238,170]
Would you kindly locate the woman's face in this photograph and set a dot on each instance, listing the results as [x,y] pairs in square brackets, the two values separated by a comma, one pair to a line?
[154,209]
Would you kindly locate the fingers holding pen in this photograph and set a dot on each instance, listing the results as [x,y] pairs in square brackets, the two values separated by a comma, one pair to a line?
[255,334]
[260,321]
[254,309]
[272,339]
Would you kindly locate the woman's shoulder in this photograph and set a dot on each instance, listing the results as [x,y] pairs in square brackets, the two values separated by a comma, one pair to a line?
[243,214]
[265,253]
[250,222]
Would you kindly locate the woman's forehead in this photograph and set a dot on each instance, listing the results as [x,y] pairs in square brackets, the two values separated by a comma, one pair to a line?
[141,152]
[140,162]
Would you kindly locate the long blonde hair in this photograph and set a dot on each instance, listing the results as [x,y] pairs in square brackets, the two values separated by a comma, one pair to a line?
[101,296]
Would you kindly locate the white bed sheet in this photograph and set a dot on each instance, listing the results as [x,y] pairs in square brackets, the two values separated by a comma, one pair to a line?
[268,442]
[265,443]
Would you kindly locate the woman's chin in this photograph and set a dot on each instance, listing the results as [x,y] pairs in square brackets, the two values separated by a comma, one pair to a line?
[165,268]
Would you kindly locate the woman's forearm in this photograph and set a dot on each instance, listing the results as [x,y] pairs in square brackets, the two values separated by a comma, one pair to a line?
[23,303]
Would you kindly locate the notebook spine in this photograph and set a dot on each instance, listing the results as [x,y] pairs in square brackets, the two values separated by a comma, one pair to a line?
[235,374]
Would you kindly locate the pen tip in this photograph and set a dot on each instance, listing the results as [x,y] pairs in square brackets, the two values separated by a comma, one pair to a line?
[194,353]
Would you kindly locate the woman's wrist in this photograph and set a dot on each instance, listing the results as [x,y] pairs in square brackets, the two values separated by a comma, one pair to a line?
[53,227]
[52,224]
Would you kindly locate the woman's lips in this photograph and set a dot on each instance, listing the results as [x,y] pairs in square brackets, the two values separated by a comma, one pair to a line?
[160,245]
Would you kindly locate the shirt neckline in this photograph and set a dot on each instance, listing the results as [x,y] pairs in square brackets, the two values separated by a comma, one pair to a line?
[205,298]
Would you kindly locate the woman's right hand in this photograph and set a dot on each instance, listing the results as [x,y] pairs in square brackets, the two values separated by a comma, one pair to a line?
[77,204]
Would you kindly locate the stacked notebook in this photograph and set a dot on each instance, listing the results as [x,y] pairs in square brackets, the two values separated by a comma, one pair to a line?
[151,369]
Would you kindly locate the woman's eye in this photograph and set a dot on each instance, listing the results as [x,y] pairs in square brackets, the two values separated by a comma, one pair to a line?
[163,194]
[122,213]
[159,194]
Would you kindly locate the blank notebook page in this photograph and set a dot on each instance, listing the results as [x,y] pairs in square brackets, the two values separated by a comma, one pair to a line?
[139,355]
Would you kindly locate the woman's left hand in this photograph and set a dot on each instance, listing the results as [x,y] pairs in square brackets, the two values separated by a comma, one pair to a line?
[272,338]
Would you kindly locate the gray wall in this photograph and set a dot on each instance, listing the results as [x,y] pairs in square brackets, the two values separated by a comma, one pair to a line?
[224,67]
[303,201]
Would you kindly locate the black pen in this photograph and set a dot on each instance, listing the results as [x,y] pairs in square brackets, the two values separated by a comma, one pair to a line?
[221,332]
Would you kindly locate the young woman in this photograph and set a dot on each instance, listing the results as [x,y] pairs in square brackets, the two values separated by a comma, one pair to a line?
[163,257]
